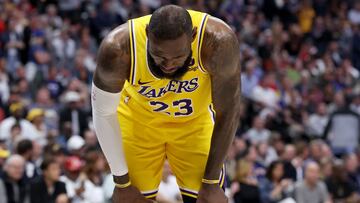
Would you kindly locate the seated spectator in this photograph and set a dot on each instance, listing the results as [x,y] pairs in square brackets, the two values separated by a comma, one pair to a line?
[247,186]
[15,186]
[316,123]
[343,130]
[25,149]
[258,132]
[94,171]
[275,188]
[266,154]
[352,169]
[311,189]
[27,130]
[339,184]
[288,158]
[36,117]
[73,179]
[47,187]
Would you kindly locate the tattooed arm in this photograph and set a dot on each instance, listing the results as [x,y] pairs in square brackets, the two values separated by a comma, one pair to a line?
[220,53]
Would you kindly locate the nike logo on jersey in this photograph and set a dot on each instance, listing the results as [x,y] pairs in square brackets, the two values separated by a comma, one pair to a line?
[143,83]
[175,86]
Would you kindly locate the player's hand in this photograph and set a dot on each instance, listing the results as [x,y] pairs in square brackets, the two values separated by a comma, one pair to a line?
[129,195]
[211,194]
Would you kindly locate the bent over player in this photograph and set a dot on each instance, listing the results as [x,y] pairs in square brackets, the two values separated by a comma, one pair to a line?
[167,86]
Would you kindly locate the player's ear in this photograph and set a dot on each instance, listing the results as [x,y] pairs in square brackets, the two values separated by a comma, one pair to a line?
[193,35]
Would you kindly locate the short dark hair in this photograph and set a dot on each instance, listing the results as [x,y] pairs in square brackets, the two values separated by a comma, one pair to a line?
[170,22]
[24,146]
[47,162]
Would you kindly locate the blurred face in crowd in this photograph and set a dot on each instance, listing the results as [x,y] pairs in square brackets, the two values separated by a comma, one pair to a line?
[258,123]
[351,163]
[315,150]
[90,138]
[52,173]
[326,150]
[14,167]
[243,170]
[262,149]
[289,152]
[339,99]
[252,155]
[250,67]
[43,96]
[312,173]
[278,172]
[322,109]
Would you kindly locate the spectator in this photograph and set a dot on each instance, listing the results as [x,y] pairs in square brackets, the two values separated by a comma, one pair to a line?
[91,141]
[73,113]
[339,184]
[16,187]
[275,188]
[317,122]
[36,117]
[44,101]
[247,189]
[94,170]
[343,130]
[249,79]
[73,179]
[258,132]
[25,149]
[47,188]
[76,145]
[64,49]
[311,189]
[288,157]
[17,111]
[13,43]
[352,169]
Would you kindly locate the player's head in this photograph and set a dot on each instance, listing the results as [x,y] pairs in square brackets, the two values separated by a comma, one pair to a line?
[170,33]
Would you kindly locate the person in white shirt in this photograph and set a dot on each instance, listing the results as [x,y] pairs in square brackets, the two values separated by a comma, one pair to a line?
[258,133]
[316,123]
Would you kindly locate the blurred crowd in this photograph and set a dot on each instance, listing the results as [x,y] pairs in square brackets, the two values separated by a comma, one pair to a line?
[300,123]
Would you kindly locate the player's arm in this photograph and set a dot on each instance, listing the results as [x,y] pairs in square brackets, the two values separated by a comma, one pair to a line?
[113,66]
[220,54]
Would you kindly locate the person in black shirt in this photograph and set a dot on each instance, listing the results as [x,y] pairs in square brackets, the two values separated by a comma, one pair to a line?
[47,188]
[339,185]
[248,191]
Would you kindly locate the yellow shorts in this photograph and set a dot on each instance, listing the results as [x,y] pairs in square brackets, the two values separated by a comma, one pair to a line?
[185,145]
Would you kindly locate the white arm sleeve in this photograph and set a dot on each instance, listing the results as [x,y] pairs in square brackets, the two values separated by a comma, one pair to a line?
[107,128]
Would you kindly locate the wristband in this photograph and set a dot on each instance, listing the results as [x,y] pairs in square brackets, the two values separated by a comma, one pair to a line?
[210,181]
[123,185]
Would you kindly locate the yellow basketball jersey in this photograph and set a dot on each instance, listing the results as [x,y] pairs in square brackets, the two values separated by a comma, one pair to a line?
[157,101]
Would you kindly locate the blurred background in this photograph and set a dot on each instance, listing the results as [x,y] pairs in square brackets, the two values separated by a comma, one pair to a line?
[300,123]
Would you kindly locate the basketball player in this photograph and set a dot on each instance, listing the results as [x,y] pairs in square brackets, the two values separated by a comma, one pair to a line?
[167,86]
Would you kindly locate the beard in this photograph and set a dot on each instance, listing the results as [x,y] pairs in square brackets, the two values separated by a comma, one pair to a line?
[180,71]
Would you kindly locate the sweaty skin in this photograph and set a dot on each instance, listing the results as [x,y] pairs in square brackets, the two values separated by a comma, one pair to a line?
[220,56]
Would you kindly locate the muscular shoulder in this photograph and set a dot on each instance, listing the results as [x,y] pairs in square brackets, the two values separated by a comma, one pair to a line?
[220,48]
[113,59]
